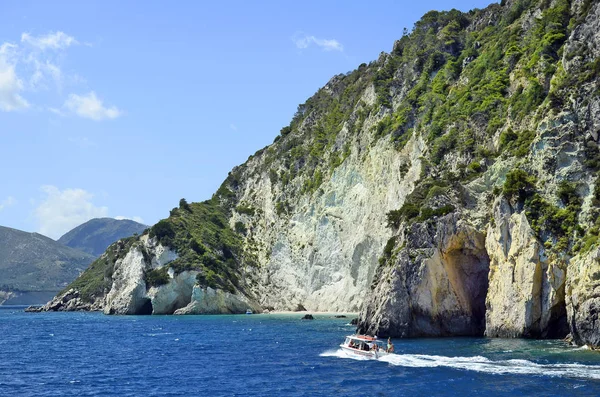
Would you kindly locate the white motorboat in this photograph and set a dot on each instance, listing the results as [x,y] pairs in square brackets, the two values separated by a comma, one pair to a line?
[364,346]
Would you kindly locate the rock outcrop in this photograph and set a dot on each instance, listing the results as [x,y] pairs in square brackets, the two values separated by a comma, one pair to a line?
[583,298]
[68,301]
[323,255]
[539,222]
[206,300]
[130,294]
[435,286]
[526,296]
[5,295]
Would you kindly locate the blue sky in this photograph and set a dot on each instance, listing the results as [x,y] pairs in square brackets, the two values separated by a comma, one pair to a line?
[122,108]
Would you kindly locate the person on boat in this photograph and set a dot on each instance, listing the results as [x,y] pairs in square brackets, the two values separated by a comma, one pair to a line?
[390,346]
[374,347]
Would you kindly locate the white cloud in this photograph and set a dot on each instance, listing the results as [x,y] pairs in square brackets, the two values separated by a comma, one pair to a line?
[135,218]
[33,64]
[62,210]
[10,84]
[43,65]
[303,41]
[7,202]
[42,70]
[91,107]
[233,127]
[52,41]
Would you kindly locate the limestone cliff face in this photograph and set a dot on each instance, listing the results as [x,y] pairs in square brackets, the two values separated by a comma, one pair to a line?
[448,188]
[540,283]
[323,253]
[434,286]
[128,291]
[206,300]
[526,296]
[127,294]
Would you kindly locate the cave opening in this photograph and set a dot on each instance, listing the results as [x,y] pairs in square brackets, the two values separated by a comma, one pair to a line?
[468,273]
[145,308]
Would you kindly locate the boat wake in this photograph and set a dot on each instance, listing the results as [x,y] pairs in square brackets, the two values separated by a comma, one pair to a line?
[339,353]
[482,364]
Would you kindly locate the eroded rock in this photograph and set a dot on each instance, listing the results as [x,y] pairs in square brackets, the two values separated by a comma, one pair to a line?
[526,296]
[69,301]
[435,287]
[583,298]
[206,300]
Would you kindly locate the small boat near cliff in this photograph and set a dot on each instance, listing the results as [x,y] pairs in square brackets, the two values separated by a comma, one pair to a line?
[248,311]
[364,346]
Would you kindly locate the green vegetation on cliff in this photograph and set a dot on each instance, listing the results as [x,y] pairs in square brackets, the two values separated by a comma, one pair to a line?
[97,279]
[477,92]
[203,240]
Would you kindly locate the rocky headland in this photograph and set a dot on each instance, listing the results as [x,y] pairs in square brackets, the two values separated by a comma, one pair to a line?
[448,188]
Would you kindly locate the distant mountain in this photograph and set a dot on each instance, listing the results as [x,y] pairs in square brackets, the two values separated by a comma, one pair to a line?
[34,267]
[97,234]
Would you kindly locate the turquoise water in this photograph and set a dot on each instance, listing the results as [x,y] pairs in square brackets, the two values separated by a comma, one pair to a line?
[89,354]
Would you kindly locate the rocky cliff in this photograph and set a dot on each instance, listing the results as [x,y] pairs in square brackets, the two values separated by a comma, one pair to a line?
[448,188]
[532,198]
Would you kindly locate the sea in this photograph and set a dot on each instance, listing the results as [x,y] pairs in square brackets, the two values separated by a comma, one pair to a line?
[90,354]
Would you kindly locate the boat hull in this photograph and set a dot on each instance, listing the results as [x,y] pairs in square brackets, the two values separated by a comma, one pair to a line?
[362,353]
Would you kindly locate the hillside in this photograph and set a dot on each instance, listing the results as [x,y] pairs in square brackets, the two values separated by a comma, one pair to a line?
[95,235]
[34,267]
[448,188]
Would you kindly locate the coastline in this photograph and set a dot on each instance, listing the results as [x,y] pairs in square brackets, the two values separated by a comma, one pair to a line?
[349,315]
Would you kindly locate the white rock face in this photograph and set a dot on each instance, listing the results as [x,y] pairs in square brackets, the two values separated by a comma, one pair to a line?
[128,291]
[216,301]
[526,295]
[324,253]
[160,255]
[181,295]
[167,298]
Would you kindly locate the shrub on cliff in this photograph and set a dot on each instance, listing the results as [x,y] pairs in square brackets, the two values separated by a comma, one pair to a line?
[157,277]
[245,210]
[163,231]
[429,213]
[518,185]
[240,227]
[197,247]
[183,204]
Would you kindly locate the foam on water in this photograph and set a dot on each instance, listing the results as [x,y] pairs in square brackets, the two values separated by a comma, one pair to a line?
[481,364]
[339,353]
